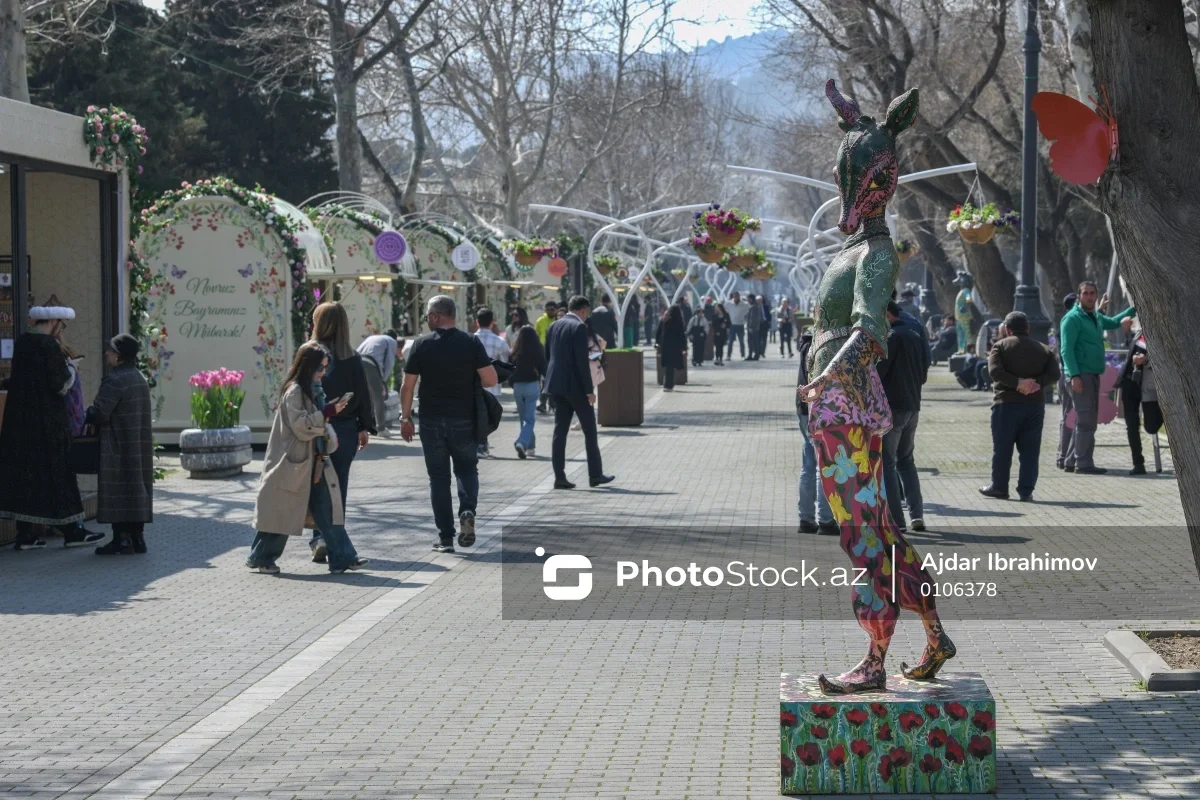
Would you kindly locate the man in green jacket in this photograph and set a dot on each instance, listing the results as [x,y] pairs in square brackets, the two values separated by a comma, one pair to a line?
[1082,351]
[542,325]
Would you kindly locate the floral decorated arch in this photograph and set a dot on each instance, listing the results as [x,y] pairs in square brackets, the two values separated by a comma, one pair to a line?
[218,279]
[367,287]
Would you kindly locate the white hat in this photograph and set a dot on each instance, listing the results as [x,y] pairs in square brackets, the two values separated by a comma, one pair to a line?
[51,312]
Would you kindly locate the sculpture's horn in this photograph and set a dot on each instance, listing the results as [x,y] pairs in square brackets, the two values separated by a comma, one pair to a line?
[847,110]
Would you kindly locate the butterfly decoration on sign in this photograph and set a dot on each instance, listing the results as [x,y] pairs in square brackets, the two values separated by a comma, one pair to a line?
[246,272]
[1084,139]
[177,273]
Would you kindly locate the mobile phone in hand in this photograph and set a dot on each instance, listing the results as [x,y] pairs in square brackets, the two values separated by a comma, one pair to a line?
[346,398]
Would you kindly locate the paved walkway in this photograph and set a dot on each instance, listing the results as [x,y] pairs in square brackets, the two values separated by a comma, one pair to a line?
[179,674]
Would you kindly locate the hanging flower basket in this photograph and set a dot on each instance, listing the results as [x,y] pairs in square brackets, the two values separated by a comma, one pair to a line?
[678,273]
[739,258]
[905,249]
[978,225]
[704,246]
[726,227]
[765,272]
[528,252]
[606,264]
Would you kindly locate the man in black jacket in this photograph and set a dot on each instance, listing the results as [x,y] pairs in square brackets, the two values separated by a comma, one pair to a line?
[604,322]
[569,381]
[903,373]
[1021,368]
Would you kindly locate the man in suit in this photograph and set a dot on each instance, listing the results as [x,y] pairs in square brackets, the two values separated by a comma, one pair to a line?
[569,382]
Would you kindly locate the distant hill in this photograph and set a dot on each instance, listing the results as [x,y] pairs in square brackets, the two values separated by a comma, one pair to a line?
[747,63]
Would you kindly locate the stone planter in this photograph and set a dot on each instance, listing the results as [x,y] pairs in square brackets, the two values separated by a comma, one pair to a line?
[620,399]
[215,452]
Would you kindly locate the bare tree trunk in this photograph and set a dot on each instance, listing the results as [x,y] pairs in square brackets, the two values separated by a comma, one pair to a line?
[345,94]
[14,81]
[416,114]
[994,282]
[1140,51]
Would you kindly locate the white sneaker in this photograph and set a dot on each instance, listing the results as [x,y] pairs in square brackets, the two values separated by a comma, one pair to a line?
[530,452]
[270,569]
[918,524]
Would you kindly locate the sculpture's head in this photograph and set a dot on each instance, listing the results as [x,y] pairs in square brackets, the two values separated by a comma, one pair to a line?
[866,169]
[963,280]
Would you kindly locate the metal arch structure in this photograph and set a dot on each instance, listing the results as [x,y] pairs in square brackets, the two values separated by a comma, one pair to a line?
[610,225]
[815,253]
[368,206]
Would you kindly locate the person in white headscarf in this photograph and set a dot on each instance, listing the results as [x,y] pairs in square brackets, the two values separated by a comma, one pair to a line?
[37,486]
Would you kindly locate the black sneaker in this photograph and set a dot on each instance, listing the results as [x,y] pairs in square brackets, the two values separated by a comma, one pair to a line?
[466,529]
[993,492]
[520,451]
[116,547]
[439,547]
[829,529]
[1091,470]
[31,544]
[82,536]
[807,527]
[1140,469]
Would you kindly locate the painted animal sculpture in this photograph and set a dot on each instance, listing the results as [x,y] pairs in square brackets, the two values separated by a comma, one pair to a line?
[849,413]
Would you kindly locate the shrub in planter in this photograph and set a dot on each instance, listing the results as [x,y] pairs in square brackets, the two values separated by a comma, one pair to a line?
[219,446]
[620,400]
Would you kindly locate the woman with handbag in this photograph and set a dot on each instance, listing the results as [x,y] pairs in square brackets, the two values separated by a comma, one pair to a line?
[296,478]
[120,415]
[354,423]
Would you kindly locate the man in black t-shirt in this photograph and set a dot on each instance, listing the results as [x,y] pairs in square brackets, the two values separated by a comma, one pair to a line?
[447,362]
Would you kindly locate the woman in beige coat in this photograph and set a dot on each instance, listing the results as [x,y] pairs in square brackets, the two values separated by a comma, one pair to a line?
[297,476]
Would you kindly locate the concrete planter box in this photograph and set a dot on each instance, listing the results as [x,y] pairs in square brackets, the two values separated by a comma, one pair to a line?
[1147,665]
[620,399]
[215,452]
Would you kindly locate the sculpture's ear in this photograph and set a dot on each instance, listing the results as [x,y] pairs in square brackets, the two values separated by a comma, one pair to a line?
[902,113]
[847,110]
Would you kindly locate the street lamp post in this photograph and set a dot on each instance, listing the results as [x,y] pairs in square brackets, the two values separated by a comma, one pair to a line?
[1028,296]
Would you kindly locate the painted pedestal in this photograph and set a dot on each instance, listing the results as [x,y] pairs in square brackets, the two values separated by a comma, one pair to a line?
[918,737]
[215,452]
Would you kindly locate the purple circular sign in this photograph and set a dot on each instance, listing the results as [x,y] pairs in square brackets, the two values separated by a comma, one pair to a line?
[390,247]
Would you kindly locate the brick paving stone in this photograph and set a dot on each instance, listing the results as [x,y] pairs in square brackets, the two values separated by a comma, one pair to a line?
[443,697]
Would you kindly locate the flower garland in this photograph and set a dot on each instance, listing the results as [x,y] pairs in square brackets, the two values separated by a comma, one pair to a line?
[165,211]
[115,140]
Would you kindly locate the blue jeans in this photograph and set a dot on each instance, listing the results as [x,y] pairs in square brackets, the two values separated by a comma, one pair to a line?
[341,459]
[900,469]
[737,332]
[268,547]
[445,442]
[811,493]
[526,394]
[1018,424]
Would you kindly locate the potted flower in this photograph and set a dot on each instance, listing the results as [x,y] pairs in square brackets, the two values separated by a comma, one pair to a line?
[764,271]
[606,264]
[905,249]
[528,252]
[708,252]
[739,257]
[219,445]
[978,225]
[678,273]
[726,226]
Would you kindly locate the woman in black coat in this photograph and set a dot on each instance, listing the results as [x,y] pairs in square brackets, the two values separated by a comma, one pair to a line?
[121,416]
[671,343]
[355,424]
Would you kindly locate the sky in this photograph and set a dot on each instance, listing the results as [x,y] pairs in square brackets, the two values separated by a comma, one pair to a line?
[705,19]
